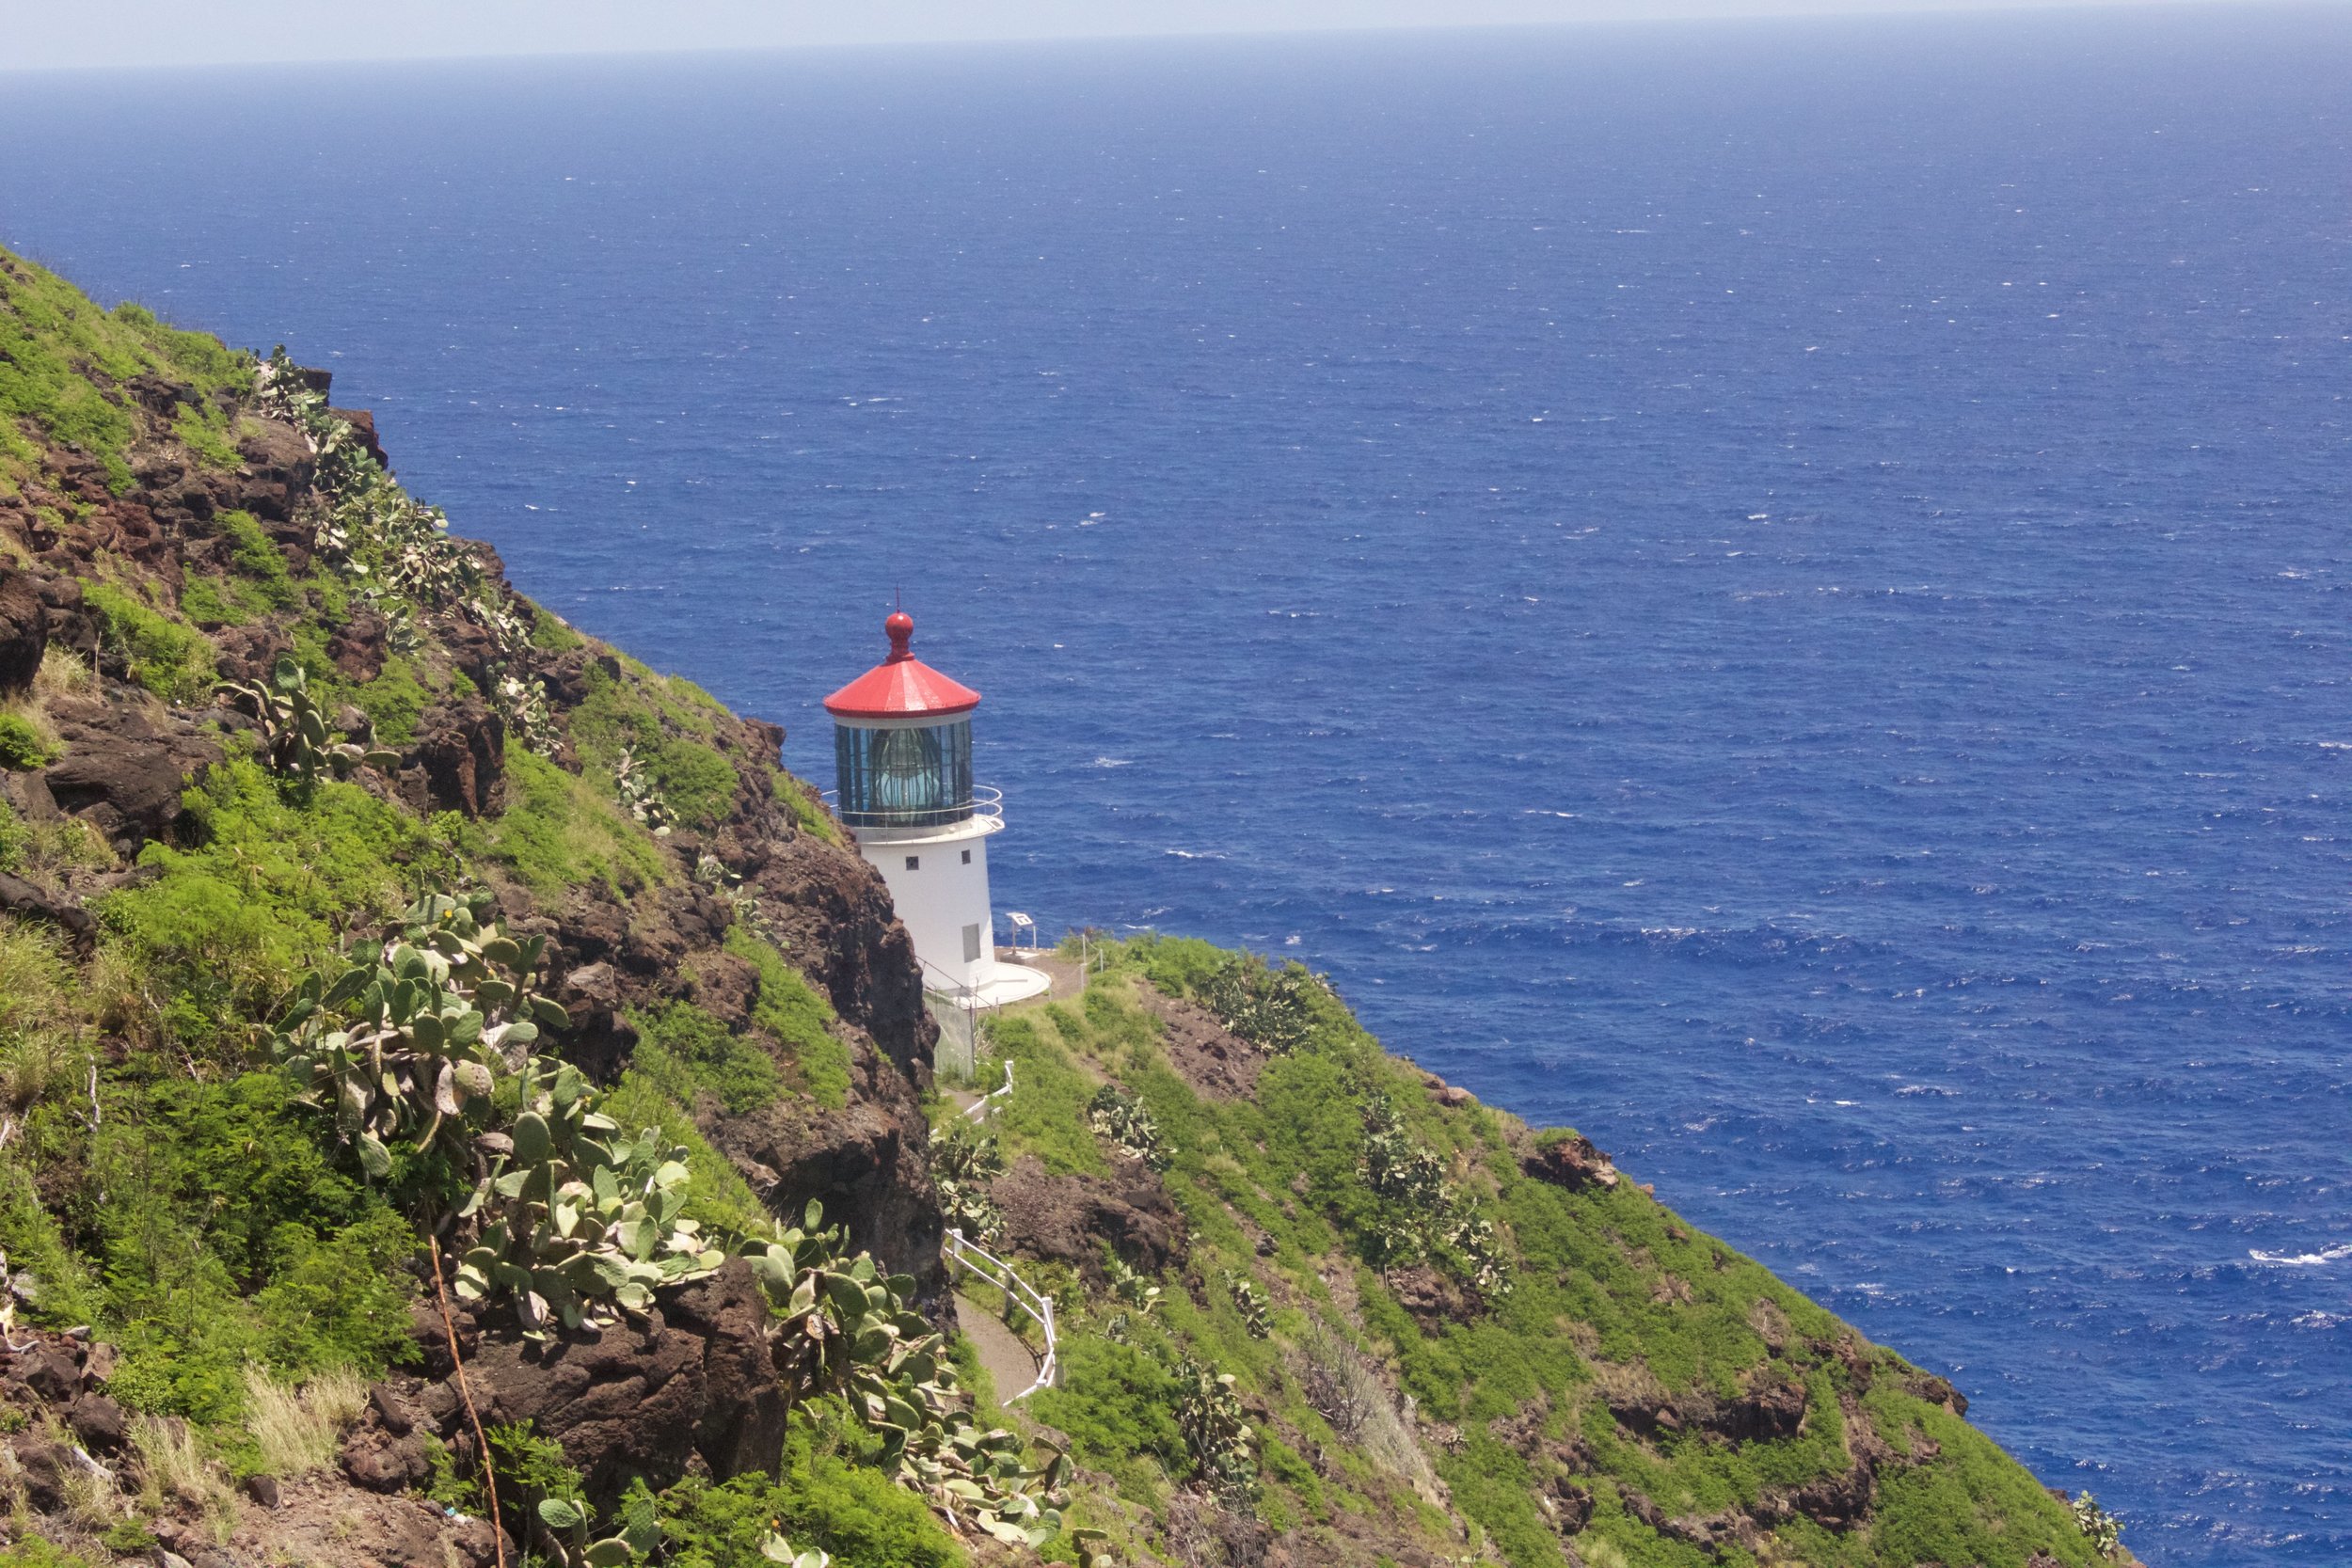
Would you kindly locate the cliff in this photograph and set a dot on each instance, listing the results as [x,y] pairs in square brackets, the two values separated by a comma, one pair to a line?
[424,1030]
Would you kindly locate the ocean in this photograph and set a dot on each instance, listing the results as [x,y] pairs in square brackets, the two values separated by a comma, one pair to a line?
[1773,592]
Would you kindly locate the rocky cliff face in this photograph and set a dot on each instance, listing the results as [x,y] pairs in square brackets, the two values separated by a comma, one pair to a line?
[175,540]
[1313,1307]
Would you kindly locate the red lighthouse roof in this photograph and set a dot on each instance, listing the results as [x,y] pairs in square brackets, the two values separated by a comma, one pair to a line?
[901,686]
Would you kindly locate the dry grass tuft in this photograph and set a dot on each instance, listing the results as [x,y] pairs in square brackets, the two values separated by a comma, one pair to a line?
[171,1464]
[92,1501]
[61,675]
[297,1430]
[1347,1393]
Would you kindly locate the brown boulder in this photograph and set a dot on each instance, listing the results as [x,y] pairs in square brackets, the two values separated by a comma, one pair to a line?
[599,1037]
[1573,1505]
[42,1468]
[98,1422]
[48,1371]
[724,987]
[691,1385]
[277,468]
[1066,1219]
[1769,1411]
[1937,1390]
[24,631]
[381,1460]
[1432,1298]
[120,770]
[24,900]
[459,760]
[869,1166]
[358,649]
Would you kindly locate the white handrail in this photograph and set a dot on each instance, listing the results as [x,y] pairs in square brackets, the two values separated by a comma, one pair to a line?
[999,1273]
[979,1109]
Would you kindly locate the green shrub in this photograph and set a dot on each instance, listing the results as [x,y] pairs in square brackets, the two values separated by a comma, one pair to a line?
[688,1052]
[173,661]
[36,1551]
[21,745]
[393,702]
[823,1499]
[1118,1404]
[227,1235]
[224,925]
[556,832]
[257,559]
[789,1009]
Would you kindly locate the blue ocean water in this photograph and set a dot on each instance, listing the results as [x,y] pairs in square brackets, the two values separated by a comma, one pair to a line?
[1775,593]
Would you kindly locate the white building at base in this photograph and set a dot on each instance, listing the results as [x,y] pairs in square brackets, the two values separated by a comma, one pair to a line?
[902,753]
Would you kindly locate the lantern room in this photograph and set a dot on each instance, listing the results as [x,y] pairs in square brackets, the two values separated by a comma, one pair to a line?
[903,754]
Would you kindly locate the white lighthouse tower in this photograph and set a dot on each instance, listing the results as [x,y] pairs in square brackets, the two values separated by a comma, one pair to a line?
[902,750]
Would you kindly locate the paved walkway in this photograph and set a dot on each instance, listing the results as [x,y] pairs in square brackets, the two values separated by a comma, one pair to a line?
[1011,1364]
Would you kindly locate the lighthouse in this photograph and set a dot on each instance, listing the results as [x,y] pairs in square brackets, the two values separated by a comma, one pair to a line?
[902,755]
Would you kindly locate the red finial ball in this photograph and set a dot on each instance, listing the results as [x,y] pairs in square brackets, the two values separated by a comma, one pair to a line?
[901,629]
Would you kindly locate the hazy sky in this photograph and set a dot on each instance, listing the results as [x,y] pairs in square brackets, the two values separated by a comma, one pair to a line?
[41,34]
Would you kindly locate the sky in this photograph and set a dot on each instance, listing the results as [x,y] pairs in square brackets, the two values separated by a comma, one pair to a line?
[101,33]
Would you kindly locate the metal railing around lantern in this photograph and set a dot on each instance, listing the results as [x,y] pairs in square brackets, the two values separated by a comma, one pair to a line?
[985,802]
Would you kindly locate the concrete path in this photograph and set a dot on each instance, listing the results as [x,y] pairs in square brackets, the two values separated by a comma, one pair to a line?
[1011,1364]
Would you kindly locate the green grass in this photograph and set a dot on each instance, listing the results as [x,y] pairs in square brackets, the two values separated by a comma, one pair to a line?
[62,357]
[829,1495]
[806,806]
[799,1019]
[223,927]
[36,1551]
[556,832]
[666,724]
[691,1053]
[256,585]
[393,700]
[1601,1279]
[203,1227]
[21,744]
[172,660]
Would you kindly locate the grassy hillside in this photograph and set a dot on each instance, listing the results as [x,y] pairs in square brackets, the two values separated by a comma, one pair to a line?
[1472,1336]
[423,1030]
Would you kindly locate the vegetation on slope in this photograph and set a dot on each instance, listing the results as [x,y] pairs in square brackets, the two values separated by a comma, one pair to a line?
[1437,1321]
[265,714]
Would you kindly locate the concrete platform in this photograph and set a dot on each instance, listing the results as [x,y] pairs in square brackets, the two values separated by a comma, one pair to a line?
[1003,983]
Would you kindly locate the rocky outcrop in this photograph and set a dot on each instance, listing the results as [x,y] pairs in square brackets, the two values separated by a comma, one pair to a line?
[1068,1219]
[692,1387]
[1212,1058]
[24,631]
[121,770]
[459,760]
[1570,1162]
[362,422]
[277,470]
[868,1163]
[27,901]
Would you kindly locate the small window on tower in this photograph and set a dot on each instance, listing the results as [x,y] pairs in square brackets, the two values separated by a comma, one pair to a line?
[914,862]
[970,945]
[967,856]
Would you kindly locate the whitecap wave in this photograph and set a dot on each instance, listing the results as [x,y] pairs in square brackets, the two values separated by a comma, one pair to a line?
[2302,1260]
[1114,762]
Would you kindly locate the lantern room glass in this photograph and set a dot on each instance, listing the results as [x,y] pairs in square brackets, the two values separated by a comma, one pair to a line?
[910,777]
